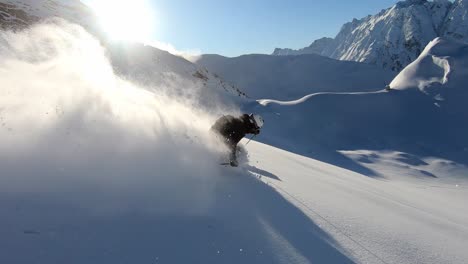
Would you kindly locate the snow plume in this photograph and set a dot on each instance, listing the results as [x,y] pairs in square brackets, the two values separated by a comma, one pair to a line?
[191,55]
[73,131]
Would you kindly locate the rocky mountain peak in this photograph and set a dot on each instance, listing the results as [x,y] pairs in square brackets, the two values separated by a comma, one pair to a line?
[397,35]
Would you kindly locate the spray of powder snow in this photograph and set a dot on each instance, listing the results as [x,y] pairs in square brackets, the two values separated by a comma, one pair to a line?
[73,130]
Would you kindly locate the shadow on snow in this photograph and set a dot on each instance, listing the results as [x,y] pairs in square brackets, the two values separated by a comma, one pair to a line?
[248,222]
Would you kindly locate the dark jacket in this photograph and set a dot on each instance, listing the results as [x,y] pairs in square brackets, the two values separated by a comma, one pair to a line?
[233,129]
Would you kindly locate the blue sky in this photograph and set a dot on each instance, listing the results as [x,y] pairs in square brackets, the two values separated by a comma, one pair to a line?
[232,28]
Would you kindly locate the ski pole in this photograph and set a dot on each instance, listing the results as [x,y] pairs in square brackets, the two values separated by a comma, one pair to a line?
[250,139]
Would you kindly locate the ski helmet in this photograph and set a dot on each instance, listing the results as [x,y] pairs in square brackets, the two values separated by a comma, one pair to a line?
[258,120]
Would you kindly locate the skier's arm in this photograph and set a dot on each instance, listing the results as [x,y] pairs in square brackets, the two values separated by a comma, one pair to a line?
[253,130]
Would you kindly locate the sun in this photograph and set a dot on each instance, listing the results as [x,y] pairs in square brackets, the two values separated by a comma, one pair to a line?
[125,20]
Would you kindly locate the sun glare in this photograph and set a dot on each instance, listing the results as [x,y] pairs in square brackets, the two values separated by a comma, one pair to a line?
[131,20]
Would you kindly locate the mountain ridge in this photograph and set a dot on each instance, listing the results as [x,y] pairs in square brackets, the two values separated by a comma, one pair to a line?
[395,36]
[290,77]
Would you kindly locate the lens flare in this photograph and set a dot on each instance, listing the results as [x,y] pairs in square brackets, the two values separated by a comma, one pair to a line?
[125,20]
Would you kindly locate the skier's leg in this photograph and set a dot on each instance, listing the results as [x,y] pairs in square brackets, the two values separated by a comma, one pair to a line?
[232,155]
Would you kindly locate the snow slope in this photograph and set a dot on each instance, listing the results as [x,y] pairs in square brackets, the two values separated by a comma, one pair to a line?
[386,220]
[98,168]
[423,114]
[290,77]
[394,37]
[302,211]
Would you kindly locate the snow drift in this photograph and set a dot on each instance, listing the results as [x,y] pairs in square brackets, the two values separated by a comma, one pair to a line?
[441,71]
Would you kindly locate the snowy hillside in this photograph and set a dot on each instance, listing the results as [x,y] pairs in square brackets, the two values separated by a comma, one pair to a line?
[290,77]
[144,64]
[424,114]
[396,36]
[149,66]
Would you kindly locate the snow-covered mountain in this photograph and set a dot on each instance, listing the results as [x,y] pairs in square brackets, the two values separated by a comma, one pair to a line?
[290,77]
[396,36]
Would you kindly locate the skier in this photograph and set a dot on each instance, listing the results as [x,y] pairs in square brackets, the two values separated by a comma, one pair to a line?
[232,129]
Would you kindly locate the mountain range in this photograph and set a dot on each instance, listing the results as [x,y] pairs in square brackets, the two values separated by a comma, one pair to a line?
[394,37]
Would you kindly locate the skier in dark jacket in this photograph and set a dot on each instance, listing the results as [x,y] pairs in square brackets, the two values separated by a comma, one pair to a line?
[233,129]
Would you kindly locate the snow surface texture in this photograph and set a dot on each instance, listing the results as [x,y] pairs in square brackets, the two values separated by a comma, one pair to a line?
[373,220]
[394,37]
[290,77]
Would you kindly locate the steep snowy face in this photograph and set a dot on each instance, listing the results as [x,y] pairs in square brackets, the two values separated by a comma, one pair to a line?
[396,36]
[456,22]
[393,38]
